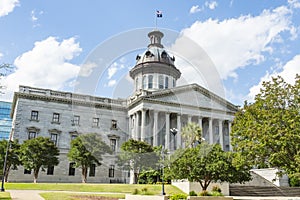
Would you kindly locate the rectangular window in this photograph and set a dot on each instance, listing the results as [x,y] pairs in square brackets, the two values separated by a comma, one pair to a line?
[76,120]
[114,124]
[111,171]
[72,169]
[55,118]
[50,170]
[31,135]
[34,115]
[113,143]
[54,138]
[92,170]
[95,122]
[26,171]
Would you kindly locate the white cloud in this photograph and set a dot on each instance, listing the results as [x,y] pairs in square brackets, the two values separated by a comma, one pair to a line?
[46,65]
[195,9]
[111,83]
[294,3]
[237,42]
[33,16]
[112,70]
[1,55]
[87,69]
[288,73]
[7,6]
[211,5]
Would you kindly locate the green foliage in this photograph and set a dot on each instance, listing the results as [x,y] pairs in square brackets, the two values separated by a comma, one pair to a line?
[204,193]
[215,193]
[192,134]
[206,163]
[87,149]
[178,196]
[149,177]
[266,132]
[295,180]
[37,154]
[192,193]
[135,191]
[137,156]
[216,189]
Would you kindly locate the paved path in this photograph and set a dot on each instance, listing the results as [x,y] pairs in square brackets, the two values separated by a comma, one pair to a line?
[25,194]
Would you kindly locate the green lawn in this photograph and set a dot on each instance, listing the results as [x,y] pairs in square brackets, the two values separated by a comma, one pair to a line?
[4,196]
[113,188]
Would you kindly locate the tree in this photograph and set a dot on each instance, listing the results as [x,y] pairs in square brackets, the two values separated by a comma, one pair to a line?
[267,131]
[138,156]
[12,157]
[206,163]
[3,69]
[87,149]
[38,153]
[192,134]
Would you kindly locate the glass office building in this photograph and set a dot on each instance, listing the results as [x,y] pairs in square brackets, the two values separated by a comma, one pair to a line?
[5,120]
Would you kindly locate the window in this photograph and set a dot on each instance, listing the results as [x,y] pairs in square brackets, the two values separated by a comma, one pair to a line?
[144,82]
[72,169]
[50,170]
[34,115]
[113,144]
[73,136]
[95,122]
[166,82]
[111,171]
[31,135]
[53,138]
[114,124]
[26,171]
[92,170]
[161,82]
[150,81]
[55,118]
[76,120]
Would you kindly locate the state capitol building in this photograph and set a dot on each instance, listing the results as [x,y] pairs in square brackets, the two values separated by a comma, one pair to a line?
[156,106]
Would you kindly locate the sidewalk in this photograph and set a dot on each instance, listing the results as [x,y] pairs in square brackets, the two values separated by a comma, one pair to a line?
[25,194]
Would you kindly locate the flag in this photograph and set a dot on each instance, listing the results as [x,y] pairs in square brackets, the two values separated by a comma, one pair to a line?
[158,13]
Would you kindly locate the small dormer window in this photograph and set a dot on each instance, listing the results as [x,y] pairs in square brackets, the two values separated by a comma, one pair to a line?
[148,54]
[164,54]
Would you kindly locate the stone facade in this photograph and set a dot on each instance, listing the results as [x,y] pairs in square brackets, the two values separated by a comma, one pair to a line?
[152,113]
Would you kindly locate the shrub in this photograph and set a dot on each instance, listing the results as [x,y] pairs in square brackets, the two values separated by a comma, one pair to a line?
[178,196]
[204,193]
[193,193]
[214,193]
[216,189]
[135,191]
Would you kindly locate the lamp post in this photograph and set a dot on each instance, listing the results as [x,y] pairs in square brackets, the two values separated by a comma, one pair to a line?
[162,177]
[174,132]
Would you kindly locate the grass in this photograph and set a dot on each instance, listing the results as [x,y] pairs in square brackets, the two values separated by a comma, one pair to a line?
[5,196]
[109,188]
[70,196]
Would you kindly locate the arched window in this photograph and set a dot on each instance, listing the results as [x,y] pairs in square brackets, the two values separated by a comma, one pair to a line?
[150,81]
[174,82]
[166,82]
[161,82]
[144,82]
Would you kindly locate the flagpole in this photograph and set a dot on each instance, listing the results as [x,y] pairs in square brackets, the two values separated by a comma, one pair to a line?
[155,21]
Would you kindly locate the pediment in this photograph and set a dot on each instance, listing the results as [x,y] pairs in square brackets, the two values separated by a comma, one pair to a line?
[193,95]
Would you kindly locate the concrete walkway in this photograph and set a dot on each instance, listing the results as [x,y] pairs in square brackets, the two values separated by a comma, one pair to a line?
[25,194]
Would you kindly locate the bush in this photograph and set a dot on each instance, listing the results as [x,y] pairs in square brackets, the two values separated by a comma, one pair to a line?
[178,196]
[214,193]
[204,193]
[135,191]
[216,189]
[193,193]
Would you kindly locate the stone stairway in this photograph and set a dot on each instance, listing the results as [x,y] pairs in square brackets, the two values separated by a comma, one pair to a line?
[263,191]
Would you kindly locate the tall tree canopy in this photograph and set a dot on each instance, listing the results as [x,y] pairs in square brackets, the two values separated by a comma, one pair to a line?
[267,132]
[38,153]
[138,156]
[87,149]
[12,156]
[205,163]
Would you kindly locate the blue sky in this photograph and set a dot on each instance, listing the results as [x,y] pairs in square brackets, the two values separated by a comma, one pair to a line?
[50,43]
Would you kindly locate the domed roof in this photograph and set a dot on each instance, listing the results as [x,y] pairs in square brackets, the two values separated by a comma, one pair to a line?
[155,59]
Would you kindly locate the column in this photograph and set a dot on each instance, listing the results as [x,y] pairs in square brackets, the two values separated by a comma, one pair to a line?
[143,116]
[229,139]
[189,118]
[200,125]
[167,136]
[179,131]
[131,125]
[221,139]
[155,130]
[137,121]
[210,131]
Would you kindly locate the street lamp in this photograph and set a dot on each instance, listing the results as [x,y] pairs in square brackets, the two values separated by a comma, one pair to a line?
[162,177]
[174,132]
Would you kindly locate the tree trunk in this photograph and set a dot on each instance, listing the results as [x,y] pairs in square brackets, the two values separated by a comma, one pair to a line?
[6,174]
[35,175]
[84,174]
[136,178]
